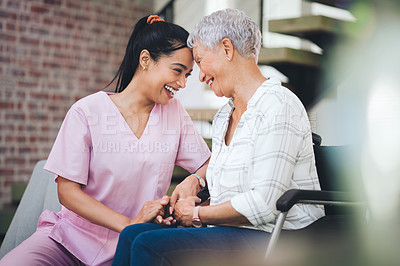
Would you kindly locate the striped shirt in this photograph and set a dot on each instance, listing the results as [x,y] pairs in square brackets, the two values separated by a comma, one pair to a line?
[270,152]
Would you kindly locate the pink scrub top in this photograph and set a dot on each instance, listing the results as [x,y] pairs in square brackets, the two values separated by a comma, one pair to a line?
[96,148]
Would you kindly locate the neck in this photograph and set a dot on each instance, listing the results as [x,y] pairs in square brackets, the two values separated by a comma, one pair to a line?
[133,98]
[247,78]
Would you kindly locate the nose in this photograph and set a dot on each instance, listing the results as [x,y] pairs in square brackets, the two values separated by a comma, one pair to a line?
[182,82]
[202,76]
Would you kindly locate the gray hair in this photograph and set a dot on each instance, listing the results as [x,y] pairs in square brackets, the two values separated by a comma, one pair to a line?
[232,24]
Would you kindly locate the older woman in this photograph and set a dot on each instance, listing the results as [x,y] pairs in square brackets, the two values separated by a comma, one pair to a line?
[262,147]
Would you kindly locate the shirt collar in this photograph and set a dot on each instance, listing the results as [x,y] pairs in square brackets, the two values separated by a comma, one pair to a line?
[270,82]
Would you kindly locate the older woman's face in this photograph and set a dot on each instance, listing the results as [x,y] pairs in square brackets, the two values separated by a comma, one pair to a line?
[211,67]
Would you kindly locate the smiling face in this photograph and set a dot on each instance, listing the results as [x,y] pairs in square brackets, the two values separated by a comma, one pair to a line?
[212,64]
[169,74]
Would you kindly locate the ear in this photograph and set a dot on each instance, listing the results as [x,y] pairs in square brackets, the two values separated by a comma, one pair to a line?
[227,47]
[144,59]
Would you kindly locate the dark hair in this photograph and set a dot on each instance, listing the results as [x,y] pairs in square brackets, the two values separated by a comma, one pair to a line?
[159,38]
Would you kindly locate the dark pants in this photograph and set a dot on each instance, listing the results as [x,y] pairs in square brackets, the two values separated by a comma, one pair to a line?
[152,244]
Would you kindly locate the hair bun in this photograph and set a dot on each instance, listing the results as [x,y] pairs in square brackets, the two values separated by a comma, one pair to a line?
[154,18]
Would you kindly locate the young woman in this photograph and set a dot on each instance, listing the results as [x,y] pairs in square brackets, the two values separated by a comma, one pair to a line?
[262,147]
[115,153]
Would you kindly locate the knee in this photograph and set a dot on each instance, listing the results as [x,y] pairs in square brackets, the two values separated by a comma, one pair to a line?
[130,232]
[145,246]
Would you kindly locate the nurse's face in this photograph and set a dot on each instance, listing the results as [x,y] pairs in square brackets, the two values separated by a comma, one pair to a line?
[169,74]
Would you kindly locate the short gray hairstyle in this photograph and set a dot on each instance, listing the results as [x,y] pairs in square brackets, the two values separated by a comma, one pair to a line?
[232,24]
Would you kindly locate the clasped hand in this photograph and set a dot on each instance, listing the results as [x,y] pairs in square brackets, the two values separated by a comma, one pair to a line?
[177,209]
[156,211]
[182,213]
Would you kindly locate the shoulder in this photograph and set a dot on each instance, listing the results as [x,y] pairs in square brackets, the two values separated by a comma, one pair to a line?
[277,99]
[278,106]
[91,103]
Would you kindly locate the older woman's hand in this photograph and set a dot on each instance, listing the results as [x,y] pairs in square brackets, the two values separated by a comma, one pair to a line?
[184,210]
[187,188]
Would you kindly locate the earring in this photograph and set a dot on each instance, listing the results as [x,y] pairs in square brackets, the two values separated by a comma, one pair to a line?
[144,68]
[227,58]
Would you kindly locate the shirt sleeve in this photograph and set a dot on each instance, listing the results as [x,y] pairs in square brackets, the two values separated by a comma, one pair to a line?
[193,151]
[277,142]
[70,154]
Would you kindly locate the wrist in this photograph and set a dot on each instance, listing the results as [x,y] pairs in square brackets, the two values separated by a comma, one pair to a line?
[196,221]
[135,220]
[194,183]
[201,181]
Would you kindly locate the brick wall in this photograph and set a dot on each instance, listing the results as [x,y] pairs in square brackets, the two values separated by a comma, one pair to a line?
[53,52]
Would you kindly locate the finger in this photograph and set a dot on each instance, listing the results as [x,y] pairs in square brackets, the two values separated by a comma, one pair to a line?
[159,219]
[165,222]
[169,219]
[195,199]
[164,200]
[172,201]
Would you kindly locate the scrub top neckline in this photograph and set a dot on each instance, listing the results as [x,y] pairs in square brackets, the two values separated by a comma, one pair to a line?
[107,94]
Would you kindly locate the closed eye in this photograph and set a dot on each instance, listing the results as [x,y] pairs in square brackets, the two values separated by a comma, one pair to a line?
[177,70]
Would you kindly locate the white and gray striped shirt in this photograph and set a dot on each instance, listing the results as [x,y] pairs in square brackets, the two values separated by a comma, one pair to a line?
[270,152]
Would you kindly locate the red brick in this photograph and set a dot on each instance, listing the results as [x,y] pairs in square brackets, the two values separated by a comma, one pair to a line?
[6,14]
[31,129]
[62,14]
[30,41]
[17,72]
[5,59]
[39,31]
[26,150]
[72,5]
[37,116]
[7,37]
[52,2]
[48,44]
[6,127]
[52,65]
[39,95]
[39,9]
[33,139]
[15,161]
[15,116]
[6,105]
[6,172]
[38,73]
[27,84]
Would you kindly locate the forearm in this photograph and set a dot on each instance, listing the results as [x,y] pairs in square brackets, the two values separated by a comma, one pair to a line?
[189,186]
[203,170]
[73,198]
[222,214]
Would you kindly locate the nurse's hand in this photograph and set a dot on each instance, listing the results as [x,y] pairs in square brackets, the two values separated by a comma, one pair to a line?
[189,187]
[154,211]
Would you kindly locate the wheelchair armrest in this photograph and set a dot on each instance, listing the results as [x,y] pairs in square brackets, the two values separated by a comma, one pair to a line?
[294,196]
